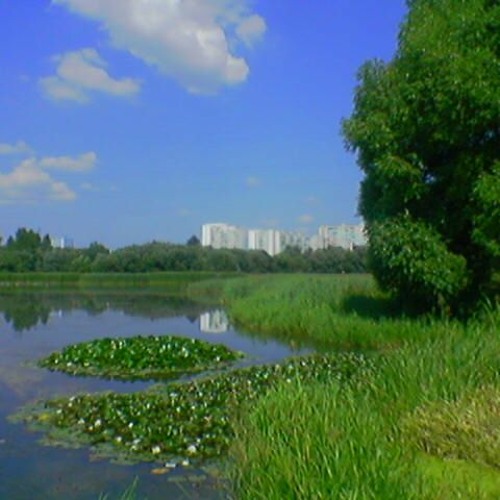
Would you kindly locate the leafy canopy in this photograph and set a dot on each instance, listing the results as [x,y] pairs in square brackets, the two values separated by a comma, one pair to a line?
[426,129]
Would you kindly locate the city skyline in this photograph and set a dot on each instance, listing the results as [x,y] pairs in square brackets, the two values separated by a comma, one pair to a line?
[275,241]
[127,121]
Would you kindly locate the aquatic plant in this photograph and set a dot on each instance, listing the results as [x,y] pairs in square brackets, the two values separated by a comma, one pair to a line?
[180,421]
[140,357]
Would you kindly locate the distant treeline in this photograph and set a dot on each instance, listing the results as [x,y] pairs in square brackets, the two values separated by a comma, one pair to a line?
[29,252]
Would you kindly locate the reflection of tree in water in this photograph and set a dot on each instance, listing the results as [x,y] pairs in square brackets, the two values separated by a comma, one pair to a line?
[25,314]
[25,310]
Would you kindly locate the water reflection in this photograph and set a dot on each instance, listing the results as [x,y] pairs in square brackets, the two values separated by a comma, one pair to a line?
[215,321]
[34,324]
[24,311]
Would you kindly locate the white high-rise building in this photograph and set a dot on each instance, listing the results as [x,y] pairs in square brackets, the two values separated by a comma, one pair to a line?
[345,236]
[222,235]
[293,239]
[273,241]
[63,242]
[268,240]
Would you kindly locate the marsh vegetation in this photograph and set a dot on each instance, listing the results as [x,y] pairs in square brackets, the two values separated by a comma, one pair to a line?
[394,407]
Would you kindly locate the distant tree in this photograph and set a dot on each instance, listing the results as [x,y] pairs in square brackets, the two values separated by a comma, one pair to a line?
[426,128]
[46,244]
[193,241]
[25,239]
[95,249]
[292,260]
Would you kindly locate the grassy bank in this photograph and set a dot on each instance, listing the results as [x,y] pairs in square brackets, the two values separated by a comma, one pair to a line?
[426,425]
[325,311]
[163,281]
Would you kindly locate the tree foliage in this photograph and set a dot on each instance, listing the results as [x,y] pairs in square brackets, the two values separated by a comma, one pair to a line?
[426,129]
[157,256]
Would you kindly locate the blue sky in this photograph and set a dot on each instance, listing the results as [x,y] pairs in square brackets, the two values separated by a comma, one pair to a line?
[127,121]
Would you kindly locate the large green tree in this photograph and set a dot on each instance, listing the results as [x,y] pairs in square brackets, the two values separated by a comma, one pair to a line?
[426,130]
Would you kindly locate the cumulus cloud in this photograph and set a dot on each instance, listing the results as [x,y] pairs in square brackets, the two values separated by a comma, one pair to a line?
[82,72]
[305,219]
[251,29]
[30,181]
[191,41]
[82,163]
[20,147]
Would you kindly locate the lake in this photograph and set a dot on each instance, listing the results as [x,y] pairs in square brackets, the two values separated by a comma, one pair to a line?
[34,324]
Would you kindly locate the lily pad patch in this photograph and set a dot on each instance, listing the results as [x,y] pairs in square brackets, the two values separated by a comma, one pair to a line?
[140,357]
[176,421]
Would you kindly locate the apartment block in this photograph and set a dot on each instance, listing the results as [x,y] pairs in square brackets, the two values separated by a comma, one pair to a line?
[273,241]
[345,236]
[220,235]
[268,240]
[63,242]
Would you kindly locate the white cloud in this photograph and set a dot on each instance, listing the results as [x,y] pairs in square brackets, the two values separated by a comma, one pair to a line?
[252,181]
[29,183]
[81,72]
[305,219]
[82,163]
[251,29]
[20,147]
[190,41]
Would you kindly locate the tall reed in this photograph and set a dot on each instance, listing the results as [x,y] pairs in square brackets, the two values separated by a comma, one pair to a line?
[347,442]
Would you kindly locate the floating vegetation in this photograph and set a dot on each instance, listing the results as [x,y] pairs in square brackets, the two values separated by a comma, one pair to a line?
[176,422]
[140,357]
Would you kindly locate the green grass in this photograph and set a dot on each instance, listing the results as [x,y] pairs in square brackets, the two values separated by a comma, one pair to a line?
[325,311]
[434,393]
[467,428]
[166,281]
[431,395]
[319,441]
[454,477]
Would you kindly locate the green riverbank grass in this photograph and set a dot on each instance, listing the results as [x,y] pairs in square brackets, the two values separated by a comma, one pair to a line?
[324,311]
[321,437]
[166,281]
[315,441]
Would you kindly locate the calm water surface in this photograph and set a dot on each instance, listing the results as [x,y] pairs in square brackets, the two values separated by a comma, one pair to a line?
[32,325]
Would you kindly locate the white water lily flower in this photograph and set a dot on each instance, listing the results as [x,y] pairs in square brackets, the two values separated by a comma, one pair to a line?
[118,439]
[130,425]
[98,423]
[81,421]
[155,450]
[191,449]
